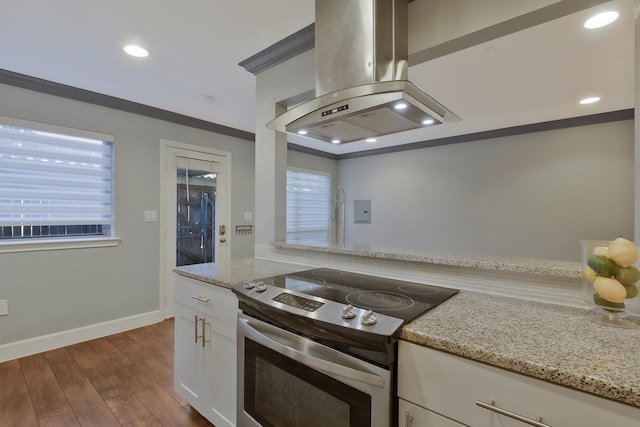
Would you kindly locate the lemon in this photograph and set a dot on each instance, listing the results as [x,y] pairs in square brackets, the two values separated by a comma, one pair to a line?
[589,274]
[601,250]
[623,252]
[610,289]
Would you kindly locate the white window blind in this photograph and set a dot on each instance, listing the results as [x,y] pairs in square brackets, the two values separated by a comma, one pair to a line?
[53,184]
[308,206]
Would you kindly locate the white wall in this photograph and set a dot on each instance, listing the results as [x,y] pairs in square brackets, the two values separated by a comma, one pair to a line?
[534,195]
[55,291]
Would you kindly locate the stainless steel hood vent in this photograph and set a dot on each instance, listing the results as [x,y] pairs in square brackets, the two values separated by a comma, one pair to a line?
[362,90]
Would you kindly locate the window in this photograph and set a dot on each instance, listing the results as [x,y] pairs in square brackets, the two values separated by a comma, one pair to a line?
[54,182]
[308,206]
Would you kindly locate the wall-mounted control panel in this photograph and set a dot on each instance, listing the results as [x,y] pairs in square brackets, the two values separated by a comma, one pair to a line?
[362,211]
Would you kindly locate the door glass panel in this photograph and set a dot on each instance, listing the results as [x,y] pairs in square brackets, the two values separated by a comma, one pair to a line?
[195,213]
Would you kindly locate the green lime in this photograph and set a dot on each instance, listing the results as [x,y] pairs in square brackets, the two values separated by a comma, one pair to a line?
[632,291]
[602,265]
[627,275]
[604,303]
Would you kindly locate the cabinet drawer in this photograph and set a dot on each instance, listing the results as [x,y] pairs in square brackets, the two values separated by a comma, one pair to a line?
[217,302]
[415,416]
[451,386]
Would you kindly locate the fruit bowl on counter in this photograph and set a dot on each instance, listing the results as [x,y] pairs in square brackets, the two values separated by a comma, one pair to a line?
[610,279]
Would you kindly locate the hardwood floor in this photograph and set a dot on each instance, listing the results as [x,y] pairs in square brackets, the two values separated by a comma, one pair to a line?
[120,380]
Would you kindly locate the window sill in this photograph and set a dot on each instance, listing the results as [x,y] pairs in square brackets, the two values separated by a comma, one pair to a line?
[57,244]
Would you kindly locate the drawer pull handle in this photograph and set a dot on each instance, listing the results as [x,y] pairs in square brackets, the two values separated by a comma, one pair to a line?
[195,334]
[200,298]
[408,419]
[492,407]
[204,337]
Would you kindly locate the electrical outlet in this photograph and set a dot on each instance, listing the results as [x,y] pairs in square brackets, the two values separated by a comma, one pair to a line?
[4,307]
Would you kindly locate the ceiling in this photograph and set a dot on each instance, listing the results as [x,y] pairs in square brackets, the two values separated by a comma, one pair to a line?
[531,76]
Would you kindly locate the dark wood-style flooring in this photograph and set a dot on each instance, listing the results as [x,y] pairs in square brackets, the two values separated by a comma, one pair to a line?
[124,379]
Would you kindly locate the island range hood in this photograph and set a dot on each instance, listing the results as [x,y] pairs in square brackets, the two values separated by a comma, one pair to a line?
[362,91]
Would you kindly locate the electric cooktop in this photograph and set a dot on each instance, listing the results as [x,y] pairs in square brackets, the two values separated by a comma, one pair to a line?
[396,298]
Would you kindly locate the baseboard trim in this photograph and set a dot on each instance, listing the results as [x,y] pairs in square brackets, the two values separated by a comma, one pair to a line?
[48,342]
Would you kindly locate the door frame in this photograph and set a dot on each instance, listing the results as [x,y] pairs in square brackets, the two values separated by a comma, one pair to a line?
[167,220]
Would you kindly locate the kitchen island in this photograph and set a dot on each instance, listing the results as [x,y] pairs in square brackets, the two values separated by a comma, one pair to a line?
[550,342]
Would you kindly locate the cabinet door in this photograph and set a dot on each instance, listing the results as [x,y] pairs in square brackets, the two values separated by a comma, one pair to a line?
[452,386]
[415,416]
[223,388]
[191,361]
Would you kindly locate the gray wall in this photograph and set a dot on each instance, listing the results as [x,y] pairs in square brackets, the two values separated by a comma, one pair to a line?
[534,195]
[55,291]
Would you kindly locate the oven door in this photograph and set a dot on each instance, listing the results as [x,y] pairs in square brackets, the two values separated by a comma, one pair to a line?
[285,380]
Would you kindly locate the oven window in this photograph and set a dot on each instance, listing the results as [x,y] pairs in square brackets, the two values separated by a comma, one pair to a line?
[281,392]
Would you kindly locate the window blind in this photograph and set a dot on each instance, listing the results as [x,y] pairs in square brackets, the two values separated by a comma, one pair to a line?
[308,206]
[52,179]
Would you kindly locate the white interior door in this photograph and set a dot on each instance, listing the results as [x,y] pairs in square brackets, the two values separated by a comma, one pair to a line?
[196,213]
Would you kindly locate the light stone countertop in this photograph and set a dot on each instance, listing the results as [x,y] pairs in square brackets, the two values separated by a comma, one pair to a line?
[550,342]
[239,270]
[498,263]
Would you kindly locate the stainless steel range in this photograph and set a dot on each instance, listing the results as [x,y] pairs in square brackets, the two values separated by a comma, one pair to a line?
[318,347]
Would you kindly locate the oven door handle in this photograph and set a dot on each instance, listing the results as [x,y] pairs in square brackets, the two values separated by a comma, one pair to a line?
[263,333]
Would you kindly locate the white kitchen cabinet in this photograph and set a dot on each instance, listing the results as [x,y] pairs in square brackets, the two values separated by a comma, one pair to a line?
[205,349]
[416,416]
[450,386]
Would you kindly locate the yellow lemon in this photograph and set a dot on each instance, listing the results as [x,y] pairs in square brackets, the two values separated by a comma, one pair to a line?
[610,289]
[623,252]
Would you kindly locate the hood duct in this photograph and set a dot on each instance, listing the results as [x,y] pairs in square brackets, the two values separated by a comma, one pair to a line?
[362,91]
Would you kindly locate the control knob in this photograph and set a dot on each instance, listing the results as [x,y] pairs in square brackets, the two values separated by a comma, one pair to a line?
[248,284]
[261,287]
[368,318]
[348,312]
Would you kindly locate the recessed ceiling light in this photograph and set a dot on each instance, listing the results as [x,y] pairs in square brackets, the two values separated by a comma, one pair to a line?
[302,132]
[335,141]
[400,106]
[370,140]
[428,122]
[601,19]
[589,100]
[137,51]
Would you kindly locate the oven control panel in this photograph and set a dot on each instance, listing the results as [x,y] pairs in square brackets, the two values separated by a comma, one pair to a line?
[298,301]
[320,309]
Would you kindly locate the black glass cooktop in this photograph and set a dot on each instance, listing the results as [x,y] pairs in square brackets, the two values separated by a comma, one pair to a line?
[396,298]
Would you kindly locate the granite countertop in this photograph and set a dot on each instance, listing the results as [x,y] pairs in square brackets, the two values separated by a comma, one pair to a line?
[499,263]
[239,270]
[546,341]
[554,343]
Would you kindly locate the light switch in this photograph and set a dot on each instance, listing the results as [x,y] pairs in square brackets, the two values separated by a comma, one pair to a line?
[248,216]
[150,216]
[362,211]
